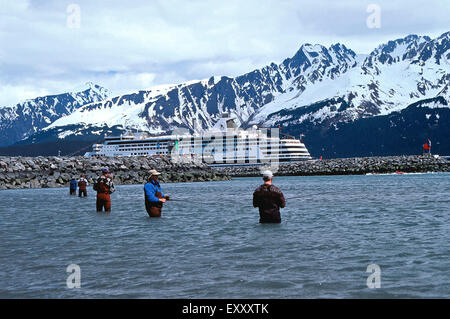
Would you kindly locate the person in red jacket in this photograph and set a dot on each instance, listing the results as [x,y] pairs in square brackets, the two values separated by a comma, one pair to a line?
[82,186]
[104,187]
[269,199]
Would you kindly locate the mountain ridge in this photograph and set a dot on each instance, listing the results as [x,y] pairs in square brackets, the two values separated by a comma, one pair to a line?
[24,119]
[318,86]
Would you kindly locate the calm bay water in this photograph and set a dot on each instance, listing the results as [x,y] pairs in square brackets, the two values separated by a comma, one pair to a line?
[212,246]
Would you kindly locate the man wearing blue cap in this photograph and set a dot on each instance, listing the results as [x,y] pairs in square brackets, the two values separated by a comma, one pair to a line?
[269,199]
[104,187]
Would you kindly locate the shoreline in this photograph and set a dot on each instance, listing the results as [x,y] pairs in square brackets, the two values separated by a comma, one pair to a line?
[347,166]
[56,172]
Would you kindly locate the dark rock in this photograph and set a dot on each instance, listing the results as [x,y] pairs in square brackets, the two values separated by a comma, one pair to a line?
[35,172]
[347,166]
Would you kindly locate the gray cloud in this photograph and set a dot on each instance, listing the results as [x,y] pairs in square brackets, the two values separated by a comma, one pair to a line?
[131,45]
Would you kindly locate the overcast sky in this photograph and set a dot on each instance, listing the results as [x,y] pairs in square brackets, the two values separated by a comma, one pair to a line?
[53,46]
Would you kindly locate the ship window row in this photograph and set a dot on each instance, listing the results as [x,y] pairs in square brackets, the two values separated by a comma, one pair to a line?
[140,149]
[146,153]
[217,149]
[219,141]
[278,153]
[262,143]
[281,154]
[254,159]
[143,145]
[241,137]
[139,143]
[230,149]
[228,140]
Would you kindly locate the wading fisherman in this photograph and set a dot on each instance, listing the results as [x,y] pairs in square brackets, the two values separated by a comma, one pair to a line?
[73,186]
[153,195]
[82,185]
[104,187]
[269,199]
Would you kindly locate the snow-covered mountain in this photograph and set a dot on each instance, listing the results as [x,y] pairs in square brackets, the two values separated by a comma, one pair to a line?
[389,79]
[317,90]
[197,104]
[392,77]
[22,120]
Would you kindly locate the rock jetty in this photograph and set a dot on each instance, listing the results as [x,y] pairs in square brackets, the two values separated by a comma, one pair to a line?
[349,166]
[44,172]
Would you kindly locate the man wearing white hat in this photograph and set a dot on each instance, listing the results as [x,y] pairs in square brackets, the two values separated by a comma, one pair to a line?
[154,197]
[269,199]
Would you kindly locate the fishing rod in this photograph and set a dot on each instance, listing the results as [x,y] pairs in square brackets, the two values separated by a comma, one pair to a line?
[296,197]
[188,200]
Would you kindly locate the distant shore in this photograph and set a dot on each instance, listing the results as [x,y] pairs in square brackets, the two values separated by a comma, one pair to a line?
[348,166]
[54,171]
[46,172]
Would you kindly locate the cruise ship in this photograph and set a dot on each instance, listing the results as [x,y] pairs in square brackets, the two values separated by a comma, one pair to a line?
[224,144]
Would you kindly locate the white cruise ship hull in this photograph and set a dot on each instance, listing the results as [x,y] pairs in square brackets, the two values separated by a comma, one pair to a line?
[226,146]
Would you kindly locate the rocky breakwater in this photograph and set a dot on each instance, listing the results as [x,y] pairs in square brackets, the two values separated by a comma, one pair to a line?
[349,166]
[44,172]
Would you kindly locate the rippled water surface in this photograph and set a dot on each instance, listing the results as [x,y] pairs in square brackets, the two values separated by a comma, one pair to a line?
[212,246]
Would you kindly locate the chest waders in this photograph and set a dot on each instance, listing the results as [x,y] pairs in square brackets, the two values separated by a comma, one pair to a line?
[153,209]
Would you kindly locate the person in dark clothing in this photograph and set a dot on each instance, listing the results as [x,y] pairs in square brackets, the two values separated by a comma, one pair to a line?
[153,195]
[73,186]
[104,187]
[82,185]
[269,199]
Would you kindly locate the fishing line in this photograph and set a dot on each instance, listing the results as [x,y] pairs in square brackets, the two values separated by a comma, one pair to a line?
[196,201]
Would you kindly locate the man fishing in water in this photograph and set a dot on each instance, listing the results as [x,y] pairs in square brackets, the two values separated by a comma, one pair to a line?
[153,195]
[73,186]
[269,199]
[82,184]
[104,187]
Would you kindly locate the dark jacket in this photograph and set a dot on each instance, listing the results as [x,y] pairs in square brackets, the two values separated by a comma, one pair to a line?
[269,199]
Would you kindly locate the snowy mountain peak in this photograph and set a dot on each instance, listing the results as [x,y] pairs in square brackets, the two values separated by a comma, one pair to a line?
[445,35]
[91,88]
[338,47]
[90,84]
[416,49]
[312,48]
[19,121]
[397,50]
[313,63]
[342,55]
